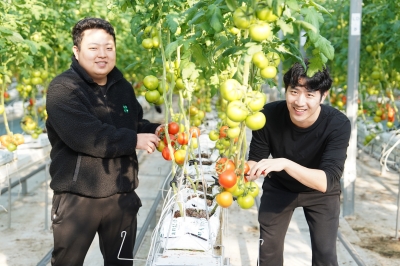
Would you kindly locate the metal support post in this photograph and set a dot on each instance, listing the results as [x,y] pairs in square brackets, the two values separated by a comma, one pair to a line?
[46,197]
[398,207]
[350,170]
[9,198]
[24,188]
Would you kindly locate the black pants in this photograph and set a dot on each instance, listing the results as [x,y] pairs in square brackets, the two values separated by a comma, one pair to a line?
[321,212]
[76,220]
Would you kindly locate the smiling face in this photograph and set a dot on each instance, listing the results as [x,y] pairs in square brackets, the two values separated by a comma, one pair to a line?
[96,54]
[304,106]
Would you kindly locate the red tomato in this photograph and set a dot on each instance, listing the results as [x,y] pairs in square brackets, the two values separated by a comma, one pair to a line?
[227,179]
[173,128]
[224,164]
[183,138]
[166,154]
[223,132]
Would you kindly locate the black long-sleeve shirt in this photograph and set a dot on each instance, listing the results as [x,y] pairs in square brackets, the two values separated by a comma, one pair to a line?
[322,146]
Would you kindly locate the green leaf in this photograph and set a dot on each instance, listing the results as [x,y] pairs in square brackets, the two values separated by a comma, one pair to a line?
[197,17]
[171,48]
[315,65]
[135,24]
[293,5]
[32,46]
[254,49]
[172,21]
[285,27]
[189,71]
[312,16]
[15,38]
[198,55]
[130,66]
[231,51]
[231,4]
[6,30]
[215,17]
[320,8]
[325,47]
[307,26]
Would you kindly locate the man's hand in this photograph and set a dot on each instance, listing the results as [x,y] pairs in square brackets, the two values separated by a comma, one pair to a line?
[263,167]
[147,142]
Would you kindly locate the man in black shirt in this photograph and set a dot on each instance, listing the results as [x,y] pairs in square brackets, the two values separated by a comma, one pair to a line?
[307,142]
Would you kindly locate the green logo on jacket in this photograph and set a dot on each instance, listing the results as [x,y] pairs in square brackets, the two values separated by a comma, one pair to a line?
[125,109]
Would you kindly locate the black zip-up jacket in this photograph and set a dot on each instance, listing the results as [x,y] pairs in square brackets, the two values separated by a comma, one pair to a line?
[93,135]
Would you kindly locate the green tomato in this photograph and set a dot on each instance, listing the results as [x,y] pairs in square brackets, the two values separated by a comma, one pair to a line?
[256,121]
[150,82]
[252,189]
[213,135]
[260,31]
[260,60]
[147,43]
[269,72]
[237,111]
[255,100]
[233,132]
[245,202]
[11,147]
[242,17]
[152,96]
[273,59]
[231,90]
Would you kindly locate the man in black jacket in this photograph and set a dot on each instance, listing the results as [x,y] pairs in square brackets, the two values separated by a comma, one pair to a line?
[308,143]
[95,124]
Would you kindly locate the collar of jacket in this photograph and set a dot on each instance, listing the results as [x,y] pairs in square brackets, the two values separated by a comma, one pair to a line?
[112,77]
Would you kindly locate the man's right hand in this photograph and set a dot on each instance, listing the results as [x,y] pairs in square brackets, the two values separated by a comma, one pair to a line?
[147,142]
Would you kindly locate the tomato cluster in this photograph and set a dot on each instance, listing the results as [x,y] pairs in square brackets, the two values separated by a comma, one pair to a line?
[10,142]
[234,184]
[179,140]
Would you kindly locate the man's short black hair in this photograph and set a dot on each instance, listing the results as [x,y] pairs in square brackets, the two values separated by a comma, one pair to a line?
[320,81]
[90,23]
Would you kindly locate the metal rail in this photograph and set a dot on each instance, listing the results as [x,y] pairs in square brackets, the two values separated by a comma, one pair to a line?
[23,180]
